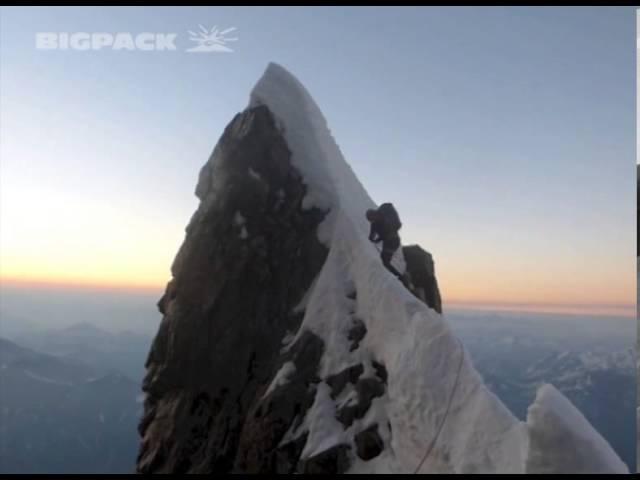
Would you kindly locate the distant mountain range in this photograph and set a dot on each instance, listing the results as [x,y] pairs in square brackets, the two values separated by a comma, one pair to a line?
[597,372]
[59,415]
[67,407]
[103,351]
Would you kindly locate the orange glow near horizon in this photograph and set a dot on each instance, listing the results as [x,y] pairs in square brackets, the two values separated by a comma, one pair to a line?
[80,243]
[102,272]
[601,286]
[553,293]
[626,311]
[453,298]
[76,283]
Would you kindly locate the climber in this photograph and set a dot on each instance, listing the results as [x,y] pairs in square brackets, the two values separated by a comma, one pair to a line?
[385,224]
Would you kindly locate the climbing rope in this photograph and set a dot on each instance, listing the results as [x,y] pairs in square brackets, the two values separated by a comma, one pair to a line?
[446,413]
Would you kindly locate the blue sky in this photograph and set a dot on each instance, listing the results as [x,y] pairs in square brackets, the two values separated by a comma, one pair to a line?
[505,137]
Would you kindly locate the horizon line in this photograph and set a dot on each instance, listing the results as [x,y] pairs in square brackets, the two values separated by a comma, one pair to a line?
[79,284]
[594,309]
[613,309]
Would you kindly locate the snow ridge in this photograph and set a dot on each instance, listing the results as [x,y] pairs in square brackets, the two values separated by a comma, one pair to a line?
[331,182]
[432,385]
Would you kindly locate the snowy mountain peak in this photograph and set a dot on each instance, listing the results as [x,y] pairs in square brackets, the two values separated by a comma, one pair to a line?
[286,346]
[330,180]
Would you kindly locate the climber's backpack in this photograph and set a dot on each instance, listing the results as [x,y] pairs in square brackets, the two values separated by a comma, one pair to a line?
[390,217]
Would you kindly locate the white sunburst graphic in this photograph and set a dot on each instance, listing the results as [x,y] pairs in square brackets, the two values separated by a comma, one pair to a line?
[211,40]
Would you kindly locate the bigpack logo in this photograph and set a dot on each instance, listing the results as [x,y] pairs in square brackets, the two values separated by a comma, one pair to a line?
[207,40]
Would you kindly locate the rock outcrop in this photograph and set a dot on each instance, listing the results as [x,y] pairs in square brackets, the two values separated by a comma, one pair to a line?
[249,256]
[421,271]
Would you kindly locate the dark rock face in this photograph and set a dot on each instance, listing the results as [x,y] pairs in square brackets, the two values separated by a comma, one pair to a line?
[368,443]
[366,389]
[422,273]
[334,460]
[356,333]
[249,256]
[381,371]
[225,392]
[340,380]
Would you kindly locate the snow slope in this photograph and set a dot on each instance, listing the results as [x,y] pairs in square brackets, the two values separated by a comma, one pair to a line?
[436,414]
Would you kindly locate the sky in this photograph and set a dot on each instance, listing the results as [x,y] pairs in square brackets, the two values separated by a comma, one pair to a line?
[504,136]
